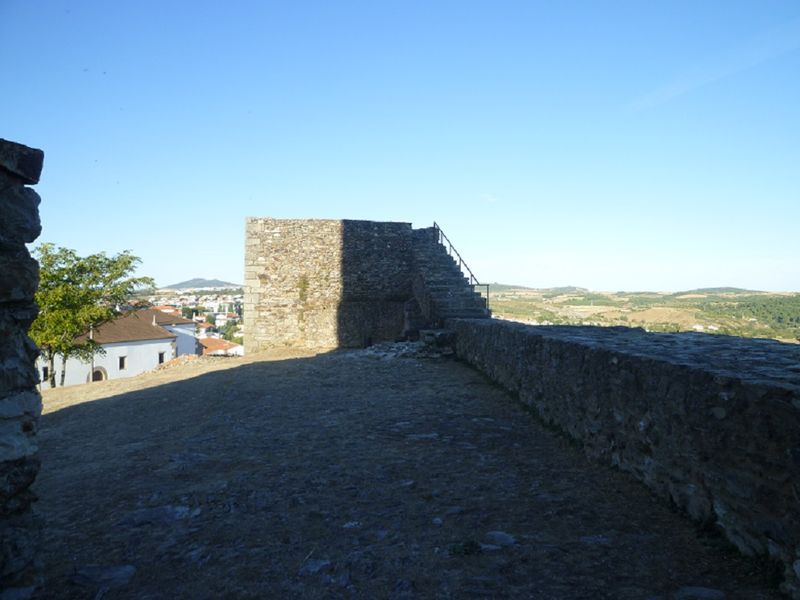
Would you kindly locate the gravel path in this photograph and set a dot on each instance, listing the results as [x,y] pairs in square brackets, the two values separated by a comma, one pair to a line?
[346,475]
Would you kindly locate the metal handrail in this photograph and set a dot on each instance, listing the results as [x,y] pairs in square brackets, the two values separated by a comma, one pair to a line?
[451,250]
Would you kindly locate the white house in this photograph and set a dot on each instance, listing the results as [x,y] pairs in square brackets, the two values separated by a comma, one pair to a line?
[205,330]
[184,329]
[133,343]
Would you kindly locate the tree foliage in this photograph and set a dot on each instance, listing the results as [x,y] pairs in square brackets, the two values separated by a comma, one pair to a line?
[75,294]
[231,331]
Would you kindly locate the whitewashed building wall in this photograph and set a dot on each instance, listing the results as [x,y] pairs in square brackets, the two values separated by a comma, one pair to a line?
[140,356]
[187,338]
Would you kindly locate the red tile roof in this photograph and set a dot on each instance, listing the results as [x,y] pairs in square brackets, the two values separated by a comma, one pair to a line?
[215,344]
[164,318]
[131,327]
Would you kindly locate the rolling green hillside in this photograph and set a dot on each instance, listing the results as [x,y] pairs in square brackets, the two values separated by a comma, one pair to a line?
[729,311]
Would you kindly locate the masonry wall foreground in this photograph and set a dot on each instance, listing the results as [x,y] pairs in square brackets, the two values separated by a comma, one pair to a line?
[711,422]
[20,404]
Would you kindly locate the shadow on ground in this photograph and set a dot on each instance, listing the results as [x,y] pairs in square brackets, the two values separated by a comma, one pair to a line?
[346,475]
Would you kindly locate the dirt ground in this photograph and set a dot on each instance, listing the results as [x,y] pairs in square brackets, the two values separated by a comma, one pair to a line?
[346,475]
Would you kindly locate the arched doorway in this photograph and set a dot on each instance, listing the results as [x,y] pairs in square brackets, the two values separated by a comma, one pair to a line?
[99,374]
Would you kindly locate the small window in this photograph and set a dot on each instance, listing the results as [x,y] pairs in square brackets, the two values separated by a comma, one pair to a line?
[122,363]
[45,373]
[161,358]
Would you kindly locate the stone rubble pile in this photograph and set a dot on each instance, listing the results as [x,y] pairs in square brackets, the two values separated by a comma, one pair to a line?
[192,359]
[395,350]
[20,403]
[180,361]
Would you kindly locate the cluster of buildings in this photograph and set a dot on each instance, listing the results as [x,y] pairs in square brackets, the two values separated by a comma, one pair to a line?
[222,307]
[140,340]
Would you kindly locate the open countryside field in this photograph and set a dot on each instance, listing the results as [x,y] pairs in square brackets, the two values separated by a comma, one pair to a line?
[728,311]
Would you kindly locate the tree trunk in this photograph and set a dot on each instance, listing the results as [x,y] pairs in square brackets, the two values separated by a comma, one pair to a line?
[51,364]
[63,368]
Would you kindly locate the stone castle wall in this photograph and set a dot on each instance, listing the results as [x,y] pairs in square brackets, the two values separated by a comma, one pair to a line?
[324,283]
[710,422]
[20,403]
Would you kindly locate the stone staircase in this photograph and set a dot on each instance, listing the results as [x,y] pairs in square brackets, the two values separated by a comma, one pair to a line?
[440,288]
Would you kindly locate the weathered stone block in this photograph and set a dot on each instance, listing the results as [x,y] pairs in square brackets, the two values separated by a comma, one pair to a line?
[16,477]
[19,540]
[16,405]
[19,207]
[17,316]
[17,438]
[17,371]
[15,319]
[20,276]
[22,161]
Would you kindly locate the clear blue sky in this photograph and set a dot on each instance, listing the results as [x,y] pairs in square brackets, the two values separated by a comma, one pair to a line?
[612,145]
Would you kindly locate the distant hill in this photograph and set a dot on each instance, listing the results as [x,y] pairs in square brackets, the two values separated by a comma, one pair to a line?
[504,287]
[570,289]
[716,310]
[719,290]
[198,283]
[554,291]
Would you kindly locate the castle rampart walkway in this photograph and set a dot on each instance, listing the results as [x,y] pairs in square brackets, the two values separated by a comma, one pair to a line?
[347,475]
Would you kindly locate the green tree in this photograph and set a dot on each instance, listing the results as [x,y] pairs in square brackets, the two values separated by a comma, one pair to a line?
[76,294]
[230,331]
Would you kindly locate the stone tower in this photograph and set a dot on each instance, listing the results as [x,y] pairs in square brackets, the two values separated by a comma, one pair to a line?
[343,283]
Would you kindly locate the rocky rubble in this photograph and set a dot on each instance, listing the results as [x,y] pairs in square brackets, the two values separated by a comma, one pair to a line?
[394,350]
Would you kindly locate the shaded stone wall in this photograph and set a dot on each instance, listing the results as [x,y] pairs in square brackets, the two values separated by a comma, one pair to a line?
[324,283]
[711,422]
[377,272]
[20,404]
